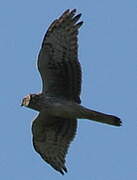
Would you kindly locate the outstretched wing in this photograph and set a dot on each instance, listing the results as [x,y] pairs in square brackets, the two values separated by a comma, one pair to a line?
[58,58]
[51,139]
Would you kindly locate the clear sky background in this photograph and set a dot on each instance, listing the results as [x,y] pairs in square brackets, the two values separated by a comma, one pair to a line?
[108,55]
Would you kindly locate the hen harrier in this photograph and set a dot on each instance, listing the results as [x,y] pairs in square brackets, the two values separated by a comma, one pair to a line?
[59,102]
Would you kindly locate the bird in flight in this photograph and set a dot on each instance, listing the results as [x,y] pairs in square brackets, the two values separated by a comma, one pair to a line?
[59,102]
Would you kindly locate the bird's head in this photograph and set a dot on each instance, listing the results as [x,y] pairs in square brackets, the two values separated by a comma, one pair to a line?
[26,100]
[32,101]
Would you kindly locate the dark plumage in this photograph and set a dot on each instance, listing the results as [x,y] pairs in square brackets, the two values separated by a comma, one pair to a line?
[59,102]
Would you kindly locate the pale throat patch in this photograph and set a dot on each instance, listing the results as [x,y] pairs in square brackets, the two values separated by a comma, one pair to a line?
[26,100]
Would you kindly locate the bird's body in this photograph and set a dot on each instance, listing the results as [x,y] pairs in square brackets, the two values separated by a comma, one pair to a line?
[49,106]
[59,102]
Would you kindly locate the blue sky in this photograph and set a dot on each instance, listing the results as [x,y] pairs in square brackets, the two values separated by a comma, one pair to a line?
[107,52]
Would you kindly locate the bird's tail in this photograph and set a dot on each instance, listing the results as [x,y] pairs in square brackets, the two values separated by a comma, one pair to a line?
[99,117]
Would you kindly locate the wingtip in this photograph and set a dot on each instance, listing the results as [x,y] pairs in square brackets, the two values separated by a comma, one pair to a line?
[73,11]
[62,173]
[77,17]
[66,11]
[78,25]
[63,170]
